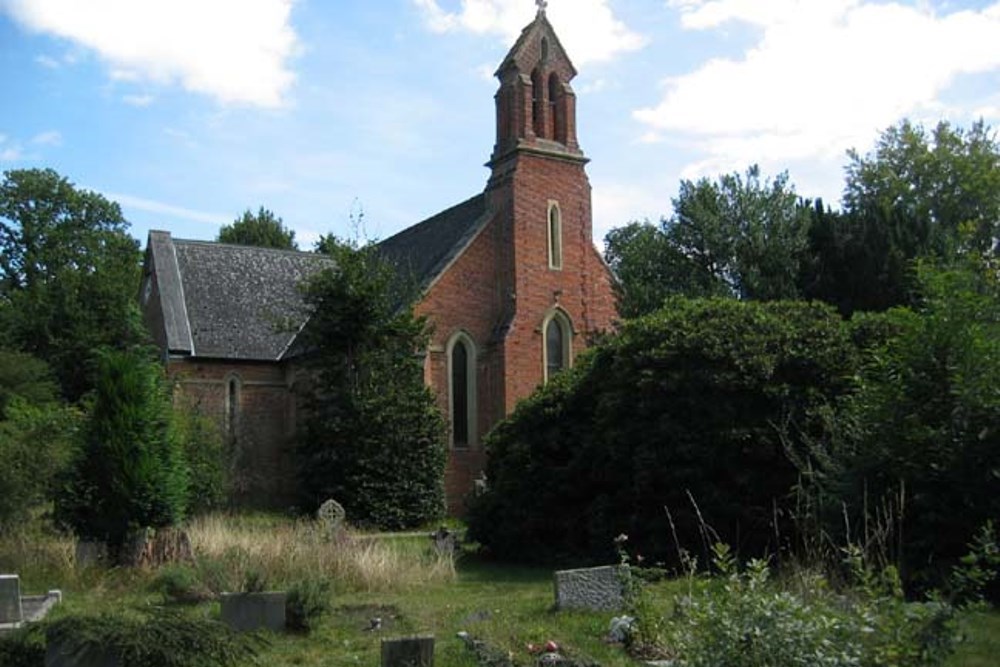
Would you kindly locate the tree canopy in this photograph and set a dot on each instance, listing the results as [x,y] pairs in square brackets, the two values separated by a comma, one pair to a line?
[373,438]
[740,235]
[263,229]
[68,275]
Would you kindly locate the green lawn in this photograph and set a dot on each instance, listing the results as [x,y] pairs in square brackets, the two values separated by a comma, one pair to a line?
[507,606]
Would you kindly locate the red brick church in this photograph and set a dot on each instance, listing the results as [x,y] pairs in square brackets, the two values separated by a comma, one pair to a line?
[511,282]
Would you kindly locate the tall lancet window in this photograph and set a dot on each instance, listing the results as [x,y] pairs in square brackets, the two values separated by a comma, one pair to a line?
[538,103]
[555,236]
[557,331]
[462,390]
[555,109]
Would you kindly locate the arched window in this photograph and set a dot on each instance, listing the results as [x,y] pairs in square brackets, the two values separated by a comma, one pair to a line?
[555,109]
[558,342]
[538,103]
[555,236]
[233,388]
[462,390]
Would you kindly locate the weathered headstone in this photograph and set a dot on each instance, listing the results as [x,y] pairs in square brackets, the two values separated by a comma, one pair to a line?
[408,652]
[594,589]
[90,554]
[245,612]
[10,599]
[331,516]
[445,541]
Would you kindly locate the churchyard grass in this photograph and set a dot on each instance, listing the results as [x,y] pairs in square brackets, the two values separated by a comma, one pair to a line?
[399,579]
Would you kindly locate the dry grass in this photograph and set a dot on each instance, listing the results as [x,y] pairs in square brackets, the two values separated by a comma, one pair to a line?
[229,549]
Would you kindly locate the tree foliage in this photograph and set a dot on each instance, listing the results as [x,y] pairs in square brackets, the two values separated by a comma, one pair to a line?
[68,274]
[263,229]
[701,400]
[129,472]
[373,438]
[36,436]
[923,427]
[741,235]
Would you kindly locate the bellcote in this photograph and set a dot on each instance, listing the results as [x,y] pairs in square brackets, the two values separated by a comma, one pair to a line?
[536,106]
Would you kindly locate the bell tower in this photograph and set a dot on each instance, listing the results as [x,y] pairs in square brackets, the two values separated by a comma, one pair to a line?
[535,104]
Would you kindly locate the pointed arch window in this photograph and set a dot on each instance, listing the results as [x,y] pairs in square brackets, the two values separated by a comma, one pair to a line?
[554,225]
[557,331]
[462,390]
[234,387]
[555,109]
[538,103]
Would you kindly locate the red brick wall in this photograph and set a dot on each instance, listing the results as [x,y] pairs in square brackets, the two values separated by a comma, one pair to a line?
[259,446]
[501,288]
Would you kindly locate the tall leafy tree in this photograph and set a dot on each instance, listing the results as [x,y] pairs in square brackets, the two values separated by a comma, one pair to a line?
[740,235]
[923,426]
[68,274]
[130,471]
[263,229]
[917,194]
[373,438]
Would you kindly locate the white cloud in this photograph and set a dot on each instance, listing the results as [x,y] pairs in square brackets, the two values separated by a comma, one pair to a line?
[47,61]
[825,75]
[151,206]
[587,28]
[11,154]
[617,204]
[236,51]
[138,100]
[49,138]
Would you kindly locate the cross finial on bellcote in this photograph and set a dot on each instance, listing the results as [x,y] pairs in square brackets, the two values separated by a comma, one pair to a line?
[542,4]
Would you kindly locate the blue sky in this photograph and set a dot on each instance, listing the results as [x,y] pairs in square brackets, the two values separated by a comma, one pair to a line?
[187,112]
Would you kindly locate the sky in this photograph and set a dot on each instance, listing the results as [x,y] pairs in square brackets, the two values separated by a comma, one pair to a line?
[362,117]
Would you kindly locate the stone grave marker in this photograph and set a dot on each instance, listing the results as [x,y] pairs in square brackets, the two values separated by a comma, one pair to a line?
[445,541]
[408,652]
[332,516]
[10,600]
[592,589]
[245,612]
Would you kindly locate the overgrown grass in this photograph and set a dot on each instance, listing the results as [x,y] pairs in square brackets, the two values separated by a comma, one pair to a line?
[230,548]
[400,580]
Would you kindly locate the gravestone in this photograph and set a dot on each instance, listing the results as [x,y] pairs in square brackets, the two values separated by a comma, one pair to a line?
[592,589]
[331,516]
[408,652]
[58,654]
[91,554]
[445,541]
[10,600]
[245,612]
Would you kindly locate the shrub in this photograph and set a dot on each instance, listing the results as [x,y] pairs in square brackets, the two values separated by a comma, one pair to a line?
[746,620]
[202,445]
[180,583]
[373,437]
[308,601]
[35,446]
[129,472]
[23,648]
[704,399]
[160,638]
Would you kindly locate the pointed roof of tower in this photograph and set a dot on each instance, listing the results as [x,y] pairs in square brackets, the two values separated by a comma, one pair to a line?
[523,56]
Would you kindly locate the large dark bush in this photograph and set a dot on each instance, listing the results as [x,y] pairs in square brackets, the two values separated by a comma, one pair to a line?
[129,472]
[373,438]
[917,446]
[700,402]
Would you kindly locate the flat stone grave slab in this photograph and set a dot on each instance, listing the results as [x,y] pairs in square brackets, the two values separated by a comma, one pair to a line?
[245,612]
[593,588]
[10,600]
[408,652]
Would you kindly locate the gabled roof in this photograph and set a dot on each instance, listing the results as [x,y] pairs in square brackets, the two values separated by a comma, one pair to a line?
[540,24]
[422,252]
[230,301]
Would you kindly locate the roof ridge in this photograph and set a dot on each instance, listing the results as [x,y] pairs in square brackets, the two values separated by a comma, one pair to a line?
[256,248]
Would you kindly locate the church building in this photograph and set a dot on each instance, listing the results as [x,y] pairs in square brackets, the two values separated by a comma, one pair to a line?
[511,284]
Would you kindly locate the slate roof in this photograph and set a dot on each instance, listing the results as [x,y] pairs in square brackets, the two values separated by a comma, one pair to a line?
[423,252]
[228,301]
